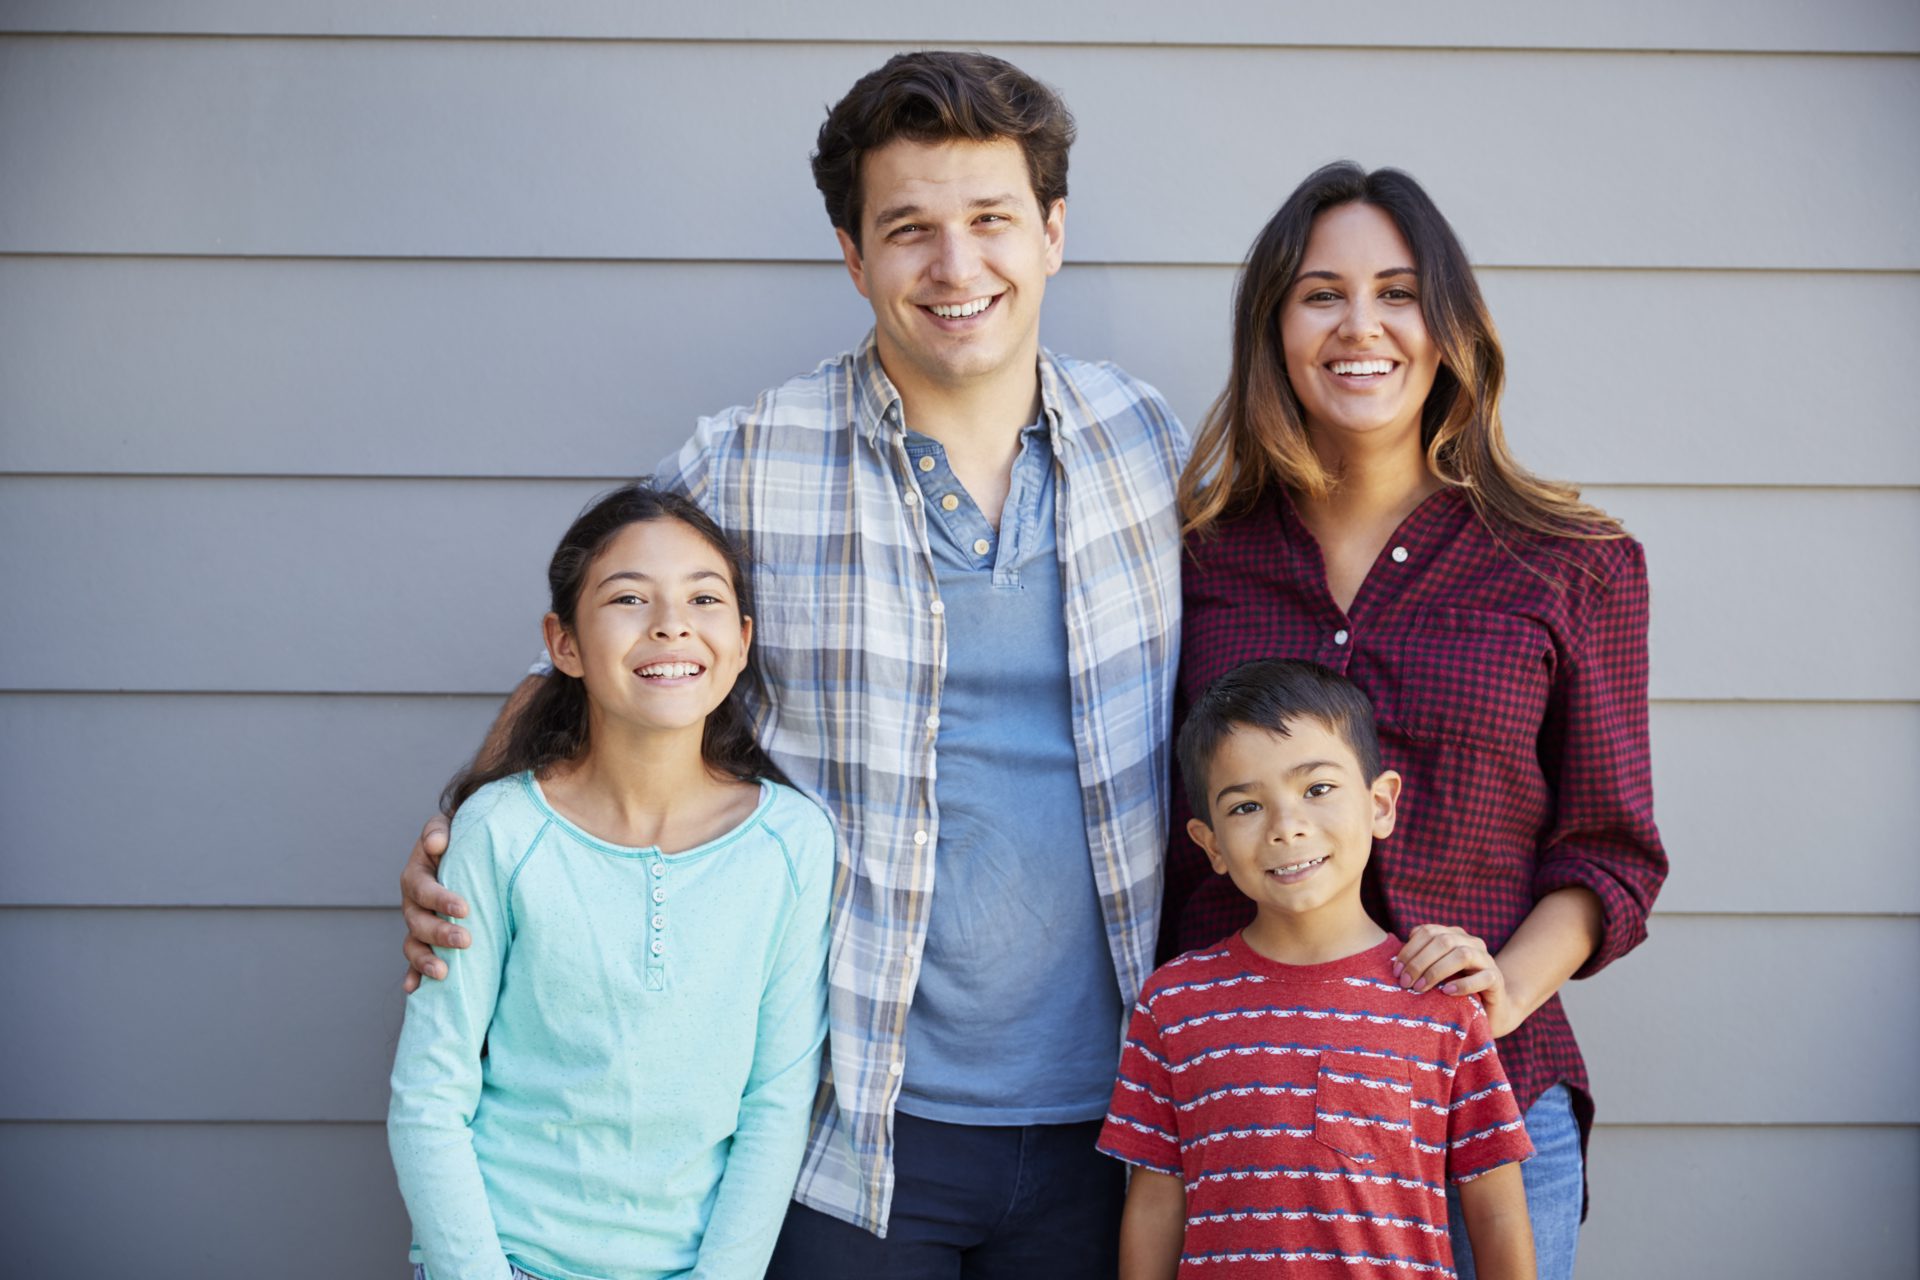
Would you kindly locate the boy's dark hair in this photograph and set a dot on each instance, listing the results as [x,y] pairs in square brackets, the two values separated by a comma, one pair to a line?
[551,726]
[1271,694]
[941,96]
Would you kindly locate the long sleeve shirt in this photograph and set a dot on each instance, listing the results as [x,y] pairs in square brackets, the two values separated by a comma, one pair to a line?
[1509,678]
[652,1028]
[816,480]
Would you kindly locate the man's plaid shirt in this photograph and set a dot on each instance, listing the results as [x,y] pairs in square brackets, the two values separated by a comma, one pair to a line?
[813,480]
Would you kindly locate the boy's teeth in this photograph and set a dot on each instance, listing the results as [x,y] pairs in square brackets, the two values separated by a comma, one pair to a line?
[960,310]
[1298,866]
[670,670]
[1362,366]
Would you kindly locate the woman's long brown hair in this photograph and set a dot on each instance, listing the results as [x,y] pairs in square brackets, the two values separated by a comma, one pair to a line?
[1254,437]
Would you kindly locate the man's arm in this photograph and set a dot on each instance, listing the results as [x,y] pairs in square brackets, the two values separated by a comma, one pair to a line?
[423,900]
[1153,1226]
[1495,1207]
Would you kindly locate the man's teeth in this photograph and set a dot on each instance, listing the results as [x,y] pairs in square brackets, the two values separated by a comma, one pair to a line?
[671,670]
[1298,866]
[1362,366]
[961,310]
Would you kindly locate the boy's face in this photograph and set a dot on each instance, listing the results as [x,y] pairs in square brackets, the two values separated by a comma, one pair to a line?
[1293,819]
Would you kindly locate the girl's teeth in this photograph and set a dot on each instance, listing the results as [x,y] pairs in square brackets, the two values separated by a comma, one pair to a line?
[670,670]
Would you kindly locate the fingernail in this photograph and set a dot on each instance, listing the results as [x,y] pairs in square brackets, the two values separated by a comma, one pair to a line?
[1448,987]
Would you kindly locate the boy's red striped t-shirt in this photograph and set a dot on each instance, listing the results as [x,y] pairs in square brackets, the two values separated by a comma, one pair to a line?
[1315,1113]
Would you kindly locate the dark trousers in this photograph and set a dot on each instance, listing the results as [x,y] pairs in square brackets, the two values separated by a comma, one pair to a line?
[974,1202]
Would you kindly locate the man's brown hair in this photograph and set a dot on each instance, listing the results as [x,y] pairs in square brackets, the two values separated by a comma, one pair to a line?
[940,96]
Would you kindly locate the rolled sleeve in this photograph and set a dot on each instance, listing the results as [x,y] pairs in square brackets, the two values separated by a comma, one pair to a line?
[1594,747]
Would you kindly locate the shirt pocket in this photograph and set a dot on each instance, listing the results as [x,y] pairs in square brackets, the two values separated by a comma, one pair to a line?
[1363,1106]
[1468,675]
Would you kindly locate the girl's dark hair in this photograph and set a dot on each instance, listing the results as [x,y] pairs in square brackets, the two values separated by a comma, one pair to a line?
[551,725]
[1254,438]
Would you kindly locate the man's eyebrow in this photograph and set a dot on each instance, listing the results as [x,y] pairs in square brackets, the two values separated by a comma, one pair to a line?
[904,212]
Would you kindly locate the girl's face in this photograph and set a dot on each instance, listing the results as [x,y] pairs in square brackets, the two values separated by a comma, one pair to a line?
[658,637]
[1357,350]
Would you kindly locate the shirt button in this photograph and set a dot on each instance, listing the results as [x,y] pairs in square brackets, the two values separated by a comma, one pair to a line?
[926,463]
[981,546]
[1399,555]
[933,721]
[659,869]
[658,946]
[659,894]
[919,837]
[909,497]
[895,1068]
[937,608]
[659,922]
[913,951]
[949,502]
[1340,636]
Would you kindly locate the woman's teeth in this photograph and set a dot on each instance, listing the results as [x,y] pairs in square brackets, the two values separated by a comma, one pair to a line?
[1359,368]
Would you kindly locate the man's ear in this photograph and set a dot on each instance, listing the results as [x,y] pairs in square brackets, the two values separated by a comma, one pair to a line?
[855,267]
[561,647]
[1202,835]
[1056,235]
[1386,800]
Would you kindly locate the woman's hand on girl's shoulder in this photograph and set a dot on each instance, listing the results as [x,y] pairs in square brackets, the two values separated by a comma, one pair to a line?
[1459,964]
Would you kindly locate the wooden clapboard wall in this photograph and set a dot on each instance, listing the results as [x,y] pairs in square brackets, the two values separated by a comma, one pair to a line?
[317,323]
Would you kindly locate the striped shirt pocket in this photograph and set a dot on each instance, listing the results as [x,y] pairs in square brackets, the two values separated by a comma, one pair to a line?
[1362,1106]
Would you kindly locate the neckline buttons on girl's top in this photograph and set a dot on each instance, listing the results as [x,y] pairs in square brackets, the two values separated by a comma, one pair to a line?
[659,893]
[659,868]
[659,922]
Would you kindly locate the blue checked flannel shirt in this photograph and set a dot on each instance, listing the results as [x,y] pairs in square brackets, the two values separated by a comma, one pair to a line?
[813,479]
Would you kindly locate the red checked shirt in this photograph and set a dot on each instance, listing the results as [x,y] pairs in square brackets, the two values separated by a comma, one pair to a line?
[1509,678]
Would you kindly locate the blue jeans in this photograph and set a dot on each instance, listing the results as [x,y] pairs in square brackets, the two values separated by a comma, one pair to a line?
[974,1202]
[1555,1183]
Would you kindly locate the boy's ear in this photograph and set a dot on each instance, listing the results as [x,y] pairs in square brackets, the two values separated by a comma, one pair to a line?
[561,648]
[1386,800]
[1202,835]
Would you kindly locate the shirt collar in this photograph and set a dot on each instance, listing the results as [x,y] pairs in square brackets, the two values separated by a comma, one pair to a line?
[877,411]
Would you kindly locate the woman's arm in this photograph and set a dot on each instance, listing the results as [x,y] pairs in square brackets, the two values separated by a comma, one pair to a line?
[1601,863]
[436,1080]
[771,1135]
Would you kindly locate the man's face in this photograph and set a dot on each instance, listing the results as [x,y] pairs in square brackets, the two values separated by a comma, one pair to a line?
[954,256]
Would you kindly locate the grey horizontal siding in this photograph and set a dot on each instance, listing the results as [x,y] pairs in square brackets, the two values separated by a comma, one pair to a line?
[354,367]
[1736,1204]
[222,800]
[1841,25]
[194,1202]
[278,800]
[413,586]
[293,1015]
[585,150]
[1817,1201]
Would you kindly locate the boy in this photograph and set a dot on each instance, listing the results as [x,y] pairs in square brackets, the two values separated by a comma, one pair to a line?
[1285,1103]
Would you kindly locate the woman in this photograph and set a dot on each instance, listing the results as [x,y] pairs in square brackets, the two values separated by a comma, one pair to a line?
[1351,500]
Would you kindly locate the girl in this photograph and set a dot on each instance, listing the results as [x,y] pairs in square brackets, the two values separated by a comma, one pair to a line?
[1351,500]
[614,1079]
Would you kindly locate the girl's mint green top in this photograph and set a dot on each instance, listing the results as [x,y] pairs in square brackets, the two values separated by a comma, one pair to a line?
[652,1026]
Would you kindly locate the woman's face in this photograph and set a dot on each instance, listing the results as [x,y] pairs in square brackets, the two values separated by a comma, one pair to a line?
[1357,350]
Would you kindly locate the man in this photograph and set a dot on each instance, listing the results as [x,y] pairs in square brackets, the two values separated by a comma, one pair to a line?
[966,554]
